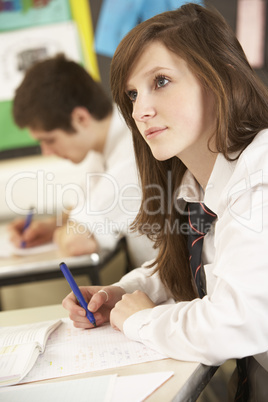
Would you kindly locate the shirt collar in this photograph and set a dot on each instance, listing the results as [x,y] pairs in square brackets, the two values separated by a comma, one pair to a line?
[220,176]
[191,191]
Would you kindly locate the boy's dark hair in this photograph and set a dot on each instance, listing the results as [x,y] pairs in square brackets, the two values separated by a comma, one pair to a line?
[51,89]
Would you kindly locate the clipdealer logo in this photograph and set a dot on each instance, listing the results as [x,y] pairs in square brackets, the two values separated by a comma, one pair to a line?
[248,211]
[49,195]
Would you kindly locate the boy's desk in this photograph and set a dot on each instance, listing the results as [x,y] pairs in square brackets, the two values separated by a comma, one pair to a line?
[18,269]
[188,381]
[37,267]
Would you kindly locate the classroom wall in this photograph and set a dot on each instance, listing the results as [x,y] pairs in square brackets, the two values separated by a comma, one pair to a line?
[46,182]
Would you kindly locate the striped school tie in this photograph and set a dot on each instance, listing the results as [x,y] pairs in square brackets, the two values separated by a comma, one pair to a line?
[200,219]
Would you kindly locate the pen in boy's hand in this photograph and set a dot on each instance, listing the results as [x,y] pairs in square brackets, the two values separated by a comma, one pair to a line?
[27,223]
[69,277]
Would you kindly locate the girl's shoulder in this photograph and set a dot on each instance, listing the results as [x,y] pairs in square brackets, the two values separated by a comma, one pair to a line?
[255,155]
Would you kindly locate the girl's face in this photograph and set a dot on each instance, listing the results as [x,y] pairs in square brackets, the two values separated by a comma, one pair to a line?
[172,110]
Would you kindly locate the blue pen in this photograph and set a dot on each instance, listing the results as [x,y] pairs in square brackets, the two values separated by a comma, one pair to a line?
[66,272]
[27,223]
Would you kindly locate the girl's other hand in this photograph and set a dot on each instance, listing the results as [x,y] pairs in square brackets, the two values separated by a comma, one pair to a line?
[127,306]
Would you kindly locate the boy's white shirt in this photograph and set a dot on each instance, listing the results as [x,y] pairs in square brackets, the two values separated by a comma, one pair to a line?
[112,194]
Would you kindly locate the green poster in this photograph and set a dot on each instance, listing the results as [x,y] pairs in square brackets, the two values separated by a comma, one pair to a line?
[18,14]
[12,137]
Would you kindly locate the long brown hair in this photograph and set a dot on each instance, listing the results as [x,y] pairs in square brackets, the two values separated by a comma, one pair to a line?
[205,41]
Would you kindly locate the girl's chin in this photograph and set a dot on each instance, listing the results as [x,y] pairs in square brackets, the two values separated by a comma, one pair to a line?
[161,157]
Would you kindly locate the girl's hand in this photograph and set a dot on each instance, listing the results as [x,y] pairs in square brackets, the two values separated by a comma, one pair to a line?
[128,305]
[101,301]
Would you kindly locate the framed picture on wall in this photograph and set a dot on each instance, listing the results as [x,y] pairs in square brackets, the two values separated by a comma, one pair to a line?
[18,51]
[249,21]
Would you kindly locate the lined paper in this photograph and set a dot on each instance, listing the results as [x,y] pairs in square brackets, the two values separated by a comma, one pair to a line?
[71,351]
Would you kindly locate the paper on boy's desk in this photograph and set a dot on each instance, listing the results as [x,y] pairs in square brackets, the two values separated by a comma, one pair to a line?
[72,351]
[7,249]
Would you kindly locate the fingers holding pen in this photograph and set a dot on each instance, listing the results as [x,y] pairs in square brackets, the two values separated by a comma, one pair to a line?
[103,301]
[105,297]
[99,307]
[100,302]
[37,233]
[15,230]
[77,313]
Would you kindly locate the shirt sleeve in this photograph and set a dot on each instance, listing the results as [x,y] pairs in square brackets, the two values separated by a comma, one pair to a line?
[146,280]
[232,320]
[112,198]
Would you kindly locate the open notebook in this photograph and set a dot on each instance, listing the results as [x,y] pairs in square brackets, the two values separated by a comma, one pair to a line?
[20,347]
[68,351]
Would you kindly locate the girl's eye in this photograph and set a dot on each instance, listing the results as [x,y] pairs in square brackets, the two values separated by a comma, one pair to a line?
[132,95]
[160,81]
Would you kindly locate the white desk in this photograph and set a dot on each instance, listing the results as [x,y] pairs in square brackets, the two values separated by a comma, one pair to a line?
[188,381]
[31,268]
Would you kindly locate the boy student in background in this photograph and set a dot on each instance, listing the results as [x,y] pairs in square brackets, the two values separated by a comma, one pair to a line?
[199,117]
[71,116]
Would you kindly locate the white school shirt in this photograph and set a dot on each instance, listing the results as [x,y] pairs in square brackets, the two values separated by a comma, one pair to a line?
[112,195]
[231,321]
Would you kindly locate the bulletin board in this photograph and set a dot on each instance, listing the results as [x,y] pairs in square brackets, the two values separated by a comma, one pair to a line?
[93,18]
[32,30]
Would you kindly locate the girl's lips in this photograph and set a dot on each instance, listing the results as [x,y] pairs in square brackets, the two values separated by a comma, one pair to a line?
[154,131]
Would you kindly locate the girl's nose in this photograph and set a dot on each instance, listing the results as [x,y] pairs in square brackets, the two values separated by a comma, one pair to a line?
[143,109]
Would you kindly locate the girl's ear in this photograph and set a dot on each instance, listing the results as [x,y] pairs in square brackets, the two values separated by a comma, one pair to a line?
[80,117]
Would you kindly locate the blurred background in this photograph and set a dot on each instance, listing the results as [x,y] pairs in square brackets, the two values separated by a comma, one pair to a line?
[87,31]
